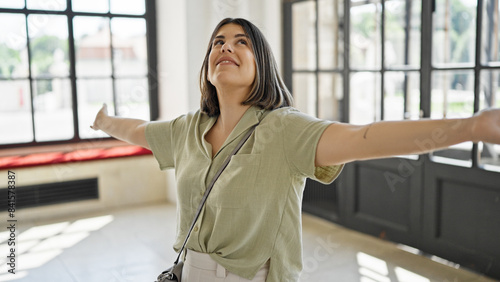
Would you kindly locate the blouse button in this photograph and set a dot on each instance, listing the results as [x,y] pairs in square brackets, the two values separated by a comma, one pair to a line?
[195,229]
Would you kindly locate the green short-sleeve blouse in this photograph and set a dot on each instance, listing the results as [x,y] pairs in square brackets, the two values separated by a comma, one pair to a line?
[253,213]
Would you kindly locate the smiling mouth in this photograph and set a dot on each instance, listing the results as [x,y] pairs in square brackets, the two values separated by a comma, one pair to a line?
[227,62]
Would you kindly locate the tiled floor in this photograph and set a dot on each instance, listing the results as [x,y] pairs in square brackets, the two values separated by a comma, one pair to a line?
[135,245]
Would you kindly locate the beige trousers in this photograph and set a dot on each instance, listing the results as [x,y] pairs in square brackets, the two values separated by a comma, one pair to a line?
[200,267]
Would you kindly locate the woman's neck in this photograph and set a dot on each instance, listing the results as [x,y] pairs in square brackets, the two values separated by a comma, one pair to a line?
[231,110]
[230,116]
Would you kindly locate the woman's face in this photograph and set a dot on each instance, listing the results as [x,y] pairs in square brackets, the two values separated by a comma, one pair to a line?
[231,60]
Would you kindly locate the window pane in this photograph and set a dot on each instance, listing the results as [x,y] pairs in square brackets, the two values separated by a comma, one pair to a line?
[13,50]
[92,94]
[490,91]
[133,98]
[454,32]
[92,6]
[50,5]
[53,110]
[365,35]
[304,35]
[304,92]
[15,112]
[452,94]
[48,45]
[401,88]
[365,98]
[129,46]
[330,96]
[402,32]
[452,97]
[92,46]
[15,4]
[132,7]
[331,34]
[491,27]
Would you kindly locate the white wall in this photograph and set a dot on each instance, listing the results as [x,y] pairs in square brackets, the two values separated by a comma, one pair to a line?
[123,182]
[184,29]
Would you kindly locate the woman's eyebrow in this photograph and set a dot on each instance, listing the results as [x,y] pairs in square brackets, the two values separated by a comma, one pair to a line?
[236,36]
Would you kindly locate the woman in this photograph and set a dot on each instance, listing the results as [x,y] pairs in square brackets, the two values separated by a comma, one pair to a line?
[250,227]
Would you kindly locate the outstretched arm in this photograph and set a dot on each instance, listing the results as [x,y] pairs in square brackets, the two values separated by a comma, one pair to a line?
[126,129]
[342,143]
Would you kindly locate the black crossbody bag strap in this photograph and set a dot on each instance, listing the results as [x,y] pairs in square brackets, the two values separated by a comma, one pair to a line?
[211,185]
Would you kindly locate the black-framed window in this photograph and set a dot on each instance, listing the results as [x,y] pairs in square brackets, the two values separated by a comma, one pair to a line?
[361,61]
[61,59]
[464,68]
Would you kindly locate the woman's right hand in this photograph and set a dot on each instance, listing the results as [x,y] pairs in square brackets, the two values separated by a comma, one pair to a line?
[100,118]
[129,130]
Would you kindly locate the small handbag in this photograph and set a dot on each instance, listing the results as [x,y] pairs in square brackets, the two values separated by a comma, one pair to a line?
[174,273]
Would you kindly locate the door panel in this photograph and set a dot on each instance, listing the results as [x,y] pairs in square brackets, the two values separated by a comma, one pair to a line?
[461,218]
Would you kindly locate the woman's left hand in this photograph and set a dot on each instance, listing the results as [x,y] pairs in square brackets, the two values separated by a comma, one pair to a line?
[486,126]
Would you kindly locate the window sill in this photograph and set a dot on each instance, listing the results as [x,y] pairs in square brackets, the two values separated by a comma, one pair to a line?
[49,155]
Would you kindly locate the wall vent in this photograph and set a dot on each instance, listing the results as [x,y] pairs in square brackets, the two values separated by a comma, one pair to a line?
[51,193]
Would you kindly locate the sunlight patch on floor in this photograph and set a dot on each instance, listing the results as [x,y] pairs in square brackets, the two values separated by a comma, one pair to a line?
[372,269]
[41,244]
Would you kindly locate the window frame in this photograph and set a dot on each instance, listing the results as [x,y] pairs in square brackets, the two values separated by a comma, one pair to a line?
[152,74]
[426,69]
